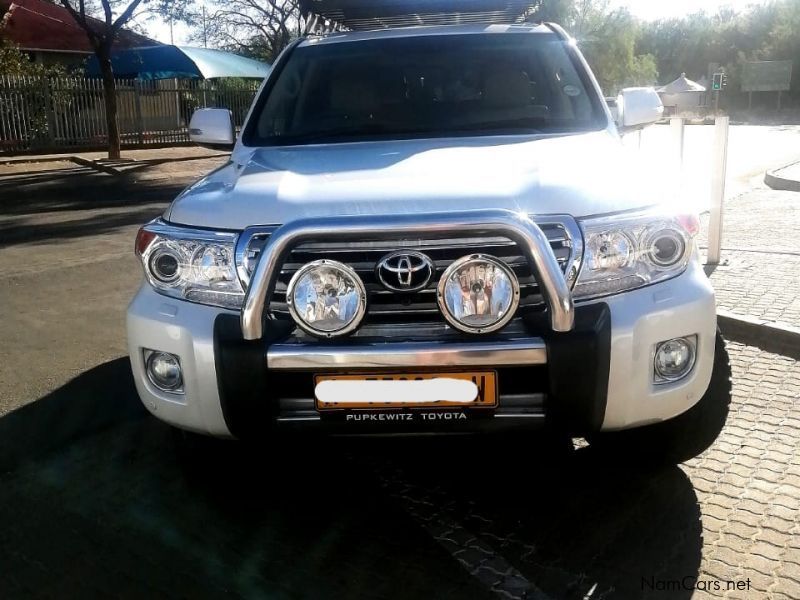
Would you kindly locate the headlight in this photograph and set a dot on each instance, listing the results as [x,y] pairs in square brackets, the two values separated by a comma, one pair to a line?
[623,252]
[478,294]
[190,264]
[326,298]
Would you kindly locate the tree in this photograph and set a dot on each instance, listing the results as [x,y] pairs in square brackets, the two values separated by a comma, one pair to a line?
[102,34]
[257,28]
[607,37]
[102,31]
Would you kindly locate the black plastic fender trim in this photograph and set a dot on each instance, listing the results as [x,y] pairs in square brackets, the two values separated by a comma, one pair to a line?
[578,365]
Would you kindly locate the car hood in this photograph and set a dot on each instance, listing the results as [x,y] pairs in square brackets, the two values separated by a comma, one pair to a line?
[580,175]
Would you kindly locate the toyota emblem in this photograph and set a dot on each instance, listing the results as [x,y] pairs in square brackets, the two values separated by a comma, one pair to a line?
[405,271]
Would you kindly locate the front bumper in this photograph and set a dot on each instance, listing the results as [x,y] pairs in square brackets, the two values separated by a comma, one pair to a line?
[597,376]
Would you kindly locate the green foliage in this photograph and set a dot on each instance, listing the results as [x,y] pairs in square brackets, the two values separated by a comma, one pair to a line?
[607,36]
[623,51]
[17,63]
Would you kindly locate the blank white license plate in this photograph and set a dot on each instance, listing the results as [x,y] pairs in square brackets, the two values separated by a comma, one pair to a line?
[406,390]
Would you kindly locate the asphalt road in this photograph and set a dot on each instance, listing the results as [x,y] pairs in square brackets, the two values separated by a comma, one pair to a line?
[752,149]
[97,499]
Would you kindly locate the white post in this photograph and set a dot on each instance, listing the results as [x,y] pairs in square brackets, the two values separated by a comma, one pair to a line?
[676,126]
[719,164]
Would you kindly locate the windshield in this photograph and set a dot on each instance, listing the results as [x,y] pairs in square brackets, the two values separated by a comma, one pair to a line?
[425,86]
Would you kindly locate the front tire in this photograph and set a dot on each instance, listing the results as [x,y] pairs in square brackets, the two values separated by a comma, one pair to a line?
[682,437]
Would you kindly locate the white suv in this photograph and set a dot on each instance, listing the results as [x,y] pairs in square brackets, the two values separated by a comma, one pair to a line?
[430,229]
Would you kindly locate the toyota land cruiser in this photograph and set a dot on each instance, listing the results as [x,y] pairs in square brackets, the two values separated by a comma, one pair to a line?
[431,229]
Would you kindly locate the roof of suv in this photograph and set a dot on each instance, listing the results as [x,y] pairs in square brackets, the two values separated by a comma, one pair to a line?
[364,15]
[352,36]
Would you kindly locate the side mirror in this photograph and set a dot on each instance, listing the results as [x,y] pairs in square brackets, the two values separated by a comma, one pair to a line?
[212,127]
[638,107]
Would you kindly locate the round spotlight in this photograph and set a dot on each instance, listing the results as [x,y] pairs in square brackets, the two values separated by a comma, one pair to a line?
[665,247]
[327,298]
[674,359]
[164,371]
[478,294]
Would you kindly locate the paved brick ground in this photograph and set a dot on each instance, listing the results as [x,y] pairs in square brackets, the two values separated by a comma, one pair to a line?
[126,512]
[748,483]
[760,272]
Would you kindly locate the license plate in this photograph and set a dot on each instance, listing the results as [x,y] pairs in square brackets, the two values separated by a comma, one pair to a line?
[477,389]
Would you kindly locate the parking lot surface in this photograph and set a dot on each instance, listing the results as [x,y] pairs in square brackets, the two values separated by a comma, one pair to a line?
[100,500]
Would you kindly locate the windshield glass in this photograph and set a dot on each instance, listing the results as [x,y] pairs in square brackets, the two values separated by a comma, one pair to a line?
[425,86]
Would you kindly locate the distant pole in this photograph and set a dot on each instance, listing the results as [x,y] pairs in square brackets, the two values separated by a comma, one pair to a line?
[719,165]
[171,36]
[205,31]
[678,130]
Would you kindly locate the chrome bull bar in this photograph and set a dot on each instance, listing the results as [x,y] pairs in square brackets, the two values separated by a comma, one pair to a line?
[517,227]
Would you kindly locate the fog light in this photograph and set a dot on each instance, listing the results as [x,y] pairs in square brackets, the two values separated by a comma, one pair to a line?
[164,371]
[674,358]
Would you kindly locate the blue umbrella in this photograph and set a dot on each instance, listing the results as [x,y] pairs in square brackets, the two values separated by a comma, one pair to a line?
[182,62]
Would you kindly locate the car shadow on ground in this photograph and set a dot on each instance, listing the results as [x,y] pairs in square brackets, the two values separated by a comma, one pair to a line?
[100,498]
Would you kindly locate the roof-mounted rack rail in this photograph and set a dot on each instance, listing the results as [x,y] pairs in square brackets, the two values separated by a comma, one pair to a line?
[325,16]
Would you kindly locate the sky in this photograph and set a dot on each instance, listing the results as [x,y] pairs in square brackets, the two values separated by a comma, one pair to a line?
[643,9]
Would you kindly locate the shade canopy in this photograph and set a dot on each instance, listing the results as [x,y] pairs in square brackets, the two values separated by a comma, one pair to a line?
[182,62]
[681,85]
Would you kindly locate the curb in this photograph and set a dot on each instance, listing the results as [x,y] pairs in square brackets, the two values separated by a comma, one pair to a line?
[777,182]
[778,338]
[73,158]
[34,160]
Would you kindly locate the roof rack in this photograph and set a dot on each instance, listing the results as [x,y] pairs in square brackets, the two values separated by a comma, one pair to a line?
[324,16]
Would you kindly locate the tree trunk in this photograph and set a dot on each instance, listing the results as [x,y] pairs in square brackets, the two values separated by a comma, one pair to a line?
[109,87]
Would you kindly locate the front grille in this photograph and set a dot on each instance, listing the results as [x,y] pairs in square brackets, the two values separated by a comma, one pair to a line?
[385,305]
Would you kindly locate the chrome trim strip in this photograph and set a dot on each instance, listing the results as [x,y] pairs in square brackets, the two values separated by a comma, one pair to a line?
[518,227]
[380,355]
[243,245]
[181,232]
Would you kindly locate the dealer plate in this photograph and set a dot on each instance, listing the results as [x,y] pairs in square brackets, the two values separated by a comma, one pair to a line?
[406,390]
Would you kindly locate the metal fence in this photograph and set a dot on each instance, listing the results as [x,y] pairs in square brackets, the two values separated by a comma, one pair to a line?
[63,114]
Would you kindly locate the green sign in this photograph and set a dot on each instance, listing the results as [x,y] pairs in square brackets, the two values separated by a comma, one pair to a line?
[767,76]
